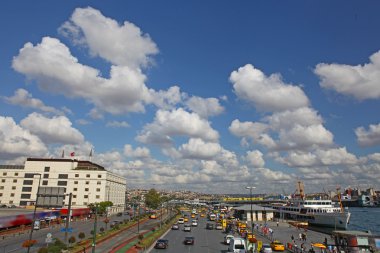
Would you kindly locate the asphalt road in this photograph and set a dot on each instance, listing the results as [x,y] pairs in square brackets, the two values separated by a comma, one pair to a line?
[14,244]
[207,241]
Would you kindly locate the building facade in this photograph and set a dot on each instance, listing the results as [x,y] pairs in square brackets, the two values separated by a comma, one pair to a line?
[259,213]
[87,181]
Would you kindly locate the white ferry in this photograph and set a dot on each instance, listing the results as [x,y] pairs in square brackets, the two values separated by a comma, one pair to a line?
[317,212]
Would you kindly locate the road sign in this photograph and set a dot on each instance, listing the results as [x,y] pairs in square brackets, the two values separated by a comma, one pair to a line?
[49,235]
[48,239]
[70,230]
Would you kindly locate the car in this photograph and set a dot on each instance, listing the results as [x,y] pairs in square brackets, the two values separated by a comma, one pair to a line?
[119,214]
[202,215]
[3,206]
[153,216]
[187,228]
[266,248]
[192,215]
[219,226]
[185,219]
[194,223]
[161,244]
[277,246]
[237,245]
[227,239]
[175,227]
[181,221]
[210,226]
[189,240]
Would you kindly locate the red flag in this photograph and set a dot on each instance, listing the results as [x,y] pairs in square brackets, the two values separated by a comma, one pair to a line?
[72,154]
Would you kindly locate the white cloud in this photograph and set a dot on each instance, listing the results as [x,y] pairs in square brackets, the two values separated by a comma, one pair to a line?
[198,149]
[205,107]
[179,122]
[266,93]
[16,141]
[119,44]
[115,123]
[375,157]
[361,81]
[51,64]
[368,138]
[255,158]
[52,130]
[272,175]
[25,99]
[166,99]
[139,152]
[249,129]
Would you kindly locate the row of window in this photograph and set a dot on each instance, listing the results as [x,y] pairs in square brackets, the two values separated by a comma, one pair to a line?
[47,169]
[60,183]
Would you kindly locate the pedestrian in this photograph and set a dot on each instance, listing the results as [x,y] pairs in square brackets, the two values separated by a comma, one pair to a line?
[277,223]
[292,237]
[325,241]
[300,236]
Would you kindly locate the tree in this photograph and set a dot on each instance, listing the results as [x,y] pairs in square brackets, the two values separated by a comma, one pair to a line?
[102,206]
[81,235]
[152,199]
[43,250]
[72,240]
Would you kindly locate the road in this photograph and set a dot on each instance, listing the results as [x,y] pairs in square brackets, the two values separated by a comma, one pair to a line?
[13,244]
[207,241]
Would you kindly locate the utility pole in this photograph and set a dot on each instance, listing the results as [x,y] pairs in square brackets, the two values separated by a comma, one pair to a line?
[250,194]
[68,217]
[34,212]
[95,224]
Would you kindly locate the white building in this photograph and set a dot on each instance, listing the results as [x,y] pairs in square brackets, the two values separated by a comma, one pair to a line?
[87,181]
[259,213]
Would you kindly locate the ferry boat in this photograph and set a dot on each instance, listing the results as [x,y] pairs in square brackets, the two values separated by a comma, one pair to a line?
[317,212]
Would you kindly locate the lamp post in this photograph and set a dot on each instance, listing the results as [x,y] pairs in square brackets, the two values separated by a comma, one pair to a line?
[95,224]
[34,212]
[250,195]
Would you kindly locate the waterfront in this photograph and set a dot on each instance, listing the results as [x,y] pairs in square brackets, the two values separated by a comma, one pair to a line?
[365,218]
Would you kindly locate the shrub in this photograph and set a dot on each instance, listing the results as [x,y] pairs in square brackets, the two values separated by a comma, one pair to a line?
[101,229]
[43,250]
[141,236]
[81,235]
[72,239]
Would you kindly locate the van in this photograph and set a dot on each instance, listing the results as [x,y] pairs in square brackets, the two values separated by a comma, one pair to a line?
[237,245]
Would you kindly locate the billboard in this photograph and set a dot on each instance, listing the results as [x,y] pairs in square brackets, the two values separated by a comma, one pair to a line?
[51,196]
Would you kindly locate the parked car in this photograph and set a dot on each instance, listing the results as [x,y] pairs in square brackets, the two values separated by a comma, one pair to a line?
[210,226]
[227,239]
[162,244]
[187,228]
[175,227]
[266,248]
[277,246]
[189,240]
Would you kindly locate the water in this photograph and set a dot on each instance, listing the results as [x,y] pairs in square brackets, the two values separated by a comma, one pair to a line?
[364,218]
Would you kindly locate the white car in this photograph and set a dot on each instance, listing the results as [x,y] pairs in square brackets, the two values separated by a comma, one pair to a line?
[194,223]
[181,221]
[187,228]
[266,249]
[219,226]
[227,239]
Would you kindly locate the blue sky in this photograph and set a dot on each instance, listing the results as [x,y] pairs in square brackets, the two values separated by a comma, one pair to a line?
[210,96]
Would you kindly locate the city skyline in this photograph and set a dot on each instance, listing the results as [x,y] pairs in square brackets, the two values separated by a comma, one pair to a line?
[204,96]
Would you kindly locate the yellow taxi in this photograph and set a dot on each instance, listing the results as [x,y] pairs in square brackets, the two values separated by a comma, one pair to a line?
[192,215]
[202,215]
[153,216]
[277,246]
[250,235]
[185,219]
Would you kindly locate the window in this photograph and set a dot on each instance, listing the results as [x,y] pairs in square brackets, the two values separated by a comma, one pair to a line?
[46,175]
[45,182]
[62,183]
[3,180]
[87,182]
[86,189]
[75,189]
[10,201]
[1,194]
[75,182]
[99,176]
[98,196]
[28,182]
[88,175]
[14,180]
[1,187]
[23,203]
[98,189]
[74,203]
[4,173]
[99,182]
[29,175]
[85,196]
[13,187]
[63,176]
[25,196]
[16,173]
[26,189]
[47,169]
[76,175]
[12,194]
[74,196]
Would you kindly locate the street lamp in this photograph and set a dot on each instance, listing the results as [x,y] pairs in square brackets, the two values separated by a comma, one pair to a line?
[250,194]
[34,212]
